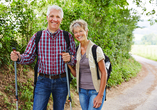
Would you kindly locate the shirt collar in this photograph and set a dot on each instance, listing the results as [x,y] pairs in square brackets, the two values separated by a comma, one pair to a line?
[54,34]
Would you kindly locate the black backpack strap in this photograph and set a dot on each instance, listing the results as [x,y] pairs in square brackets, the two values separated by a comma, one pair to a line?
[94,47]
[37,38]
[66,37]
[95,59]
[77,48]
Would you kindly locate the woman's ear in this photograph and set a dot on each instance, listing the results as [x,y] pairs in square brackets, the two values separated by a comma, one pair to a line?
[87,32]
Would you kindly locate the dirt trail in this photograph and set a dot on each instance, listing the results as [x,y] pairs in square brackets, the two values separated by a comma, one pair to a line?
[137,94]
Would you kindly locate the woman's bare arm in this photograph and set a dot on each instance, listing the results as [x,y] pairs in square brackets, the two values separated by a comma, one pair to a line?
[72,69]
[98,99]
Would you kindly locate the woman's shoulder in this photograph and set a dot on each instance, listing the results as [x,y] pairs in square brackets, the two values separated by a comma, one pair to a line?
[98,47]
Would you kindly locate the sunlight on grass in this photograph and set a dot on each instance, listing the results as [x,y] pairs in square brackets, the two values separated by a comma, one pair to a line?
[147,51]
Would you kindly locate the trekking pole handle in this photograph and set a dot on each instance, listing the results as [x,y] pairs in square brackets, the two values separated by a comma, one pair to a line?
[63,51]
[14,48]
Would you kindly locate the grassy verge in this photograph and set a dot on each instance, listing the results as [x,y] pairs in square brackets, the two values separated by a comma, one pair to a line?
[124,71]
[147,51]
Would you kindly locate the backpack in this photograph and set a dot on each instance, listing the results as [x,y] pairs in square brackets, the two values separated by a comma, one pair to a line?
[107,63]
[37,38]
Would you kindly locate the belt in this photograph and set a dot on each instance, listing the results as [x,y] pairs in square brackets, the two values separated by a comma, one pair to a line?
[53,77]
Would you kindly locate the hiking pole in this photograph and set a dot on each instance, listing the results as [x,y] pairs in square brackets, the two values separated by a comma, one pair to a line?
[14,49]
[68,85]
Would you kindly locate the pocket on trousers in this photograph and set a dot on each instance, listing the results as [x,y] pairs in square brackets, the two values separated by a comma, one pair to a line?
[40,78]
[63,79]
[94,92]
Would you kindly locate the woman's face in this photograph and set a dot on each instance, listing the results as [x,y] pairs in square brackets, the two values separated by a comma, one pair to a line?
[80,34]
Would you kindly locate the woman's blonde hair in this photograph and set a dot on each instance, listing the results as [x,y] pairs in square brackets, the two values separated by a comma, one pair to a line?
[80,23]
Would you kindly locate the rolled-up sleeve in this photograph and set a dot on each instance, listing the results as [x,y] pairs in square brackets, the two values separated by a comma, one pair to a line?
[29,55]
[100,54]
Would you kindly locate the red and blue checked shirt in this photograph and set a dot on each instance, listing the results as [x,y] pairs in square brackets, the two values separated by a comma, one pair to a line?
[49,47]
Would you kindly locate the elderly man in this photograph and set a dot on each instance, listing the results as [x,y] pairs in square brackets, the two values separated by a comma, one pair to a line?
[51,66]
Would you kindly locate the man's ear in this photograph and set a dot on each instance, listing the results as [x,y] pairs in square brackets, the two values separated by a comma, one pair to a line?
[47,18]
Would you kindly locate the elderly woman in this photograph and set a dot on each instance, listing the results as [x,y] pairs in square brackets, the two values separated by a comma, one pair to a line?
[91,90]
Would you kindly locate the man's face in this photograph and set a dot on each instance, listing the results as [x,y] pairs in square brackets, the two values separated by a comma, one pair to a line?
[54,19]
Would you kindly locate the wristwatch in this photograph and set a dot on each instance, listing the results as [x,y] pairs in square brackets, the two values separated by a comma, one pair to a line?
[18,60]
[70,58]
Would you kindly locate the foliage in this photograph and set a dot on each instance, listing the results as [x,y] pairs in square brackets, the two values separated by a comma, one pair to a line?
[147,11]
[26,94]
[17,26]
[123,71]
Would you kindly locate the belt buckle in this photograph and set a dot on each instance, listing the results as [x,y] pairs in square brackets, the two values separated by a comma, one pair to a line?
[50,76]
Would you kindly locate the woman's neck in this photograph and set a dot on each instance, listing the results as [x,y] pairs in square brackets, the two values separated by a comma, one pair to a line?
[85,43]
[84,46]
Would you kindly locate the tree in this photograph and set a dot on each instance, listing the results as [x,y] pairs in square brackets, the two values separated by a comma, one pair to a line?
[150,39]
[145,11]
[18,23]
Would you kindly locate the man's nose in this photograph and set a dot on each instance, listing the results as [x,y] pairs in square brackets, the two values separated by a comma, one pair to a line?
[55,19]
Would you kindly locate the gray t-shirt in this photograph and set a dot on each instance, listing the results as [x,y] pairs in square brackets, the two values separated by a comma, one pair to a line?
[85,74]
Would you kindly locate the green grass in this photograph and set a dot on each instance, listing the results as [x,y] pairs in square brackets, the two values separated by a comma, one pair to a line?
[147,51]
[123,71]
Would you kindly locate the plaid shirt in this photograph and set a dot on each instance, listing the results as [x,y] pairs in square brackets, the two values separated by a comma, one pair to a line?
[49,47]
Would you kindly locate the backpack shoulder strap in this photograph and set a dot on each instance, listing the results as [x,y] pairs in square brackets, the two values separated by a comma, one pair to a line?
[37,38]
[76,48]
[66,37]
[94,47]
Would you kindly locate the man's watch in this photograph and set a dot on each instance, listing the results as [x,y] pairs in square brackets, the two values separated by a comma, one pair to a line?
[70,58]
[18,60]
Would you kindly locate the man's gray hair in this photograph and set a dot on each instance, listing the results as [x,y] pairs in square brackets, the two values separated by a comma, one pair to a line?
[54,7]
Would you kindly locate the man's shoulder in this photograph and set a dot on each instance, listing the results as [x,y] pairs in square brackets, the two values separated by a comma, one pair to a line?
[69,34]
[42,31]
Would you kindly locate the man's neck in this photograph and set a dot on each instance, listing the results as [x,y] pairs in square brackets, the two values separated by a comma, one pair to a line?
[52,31]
